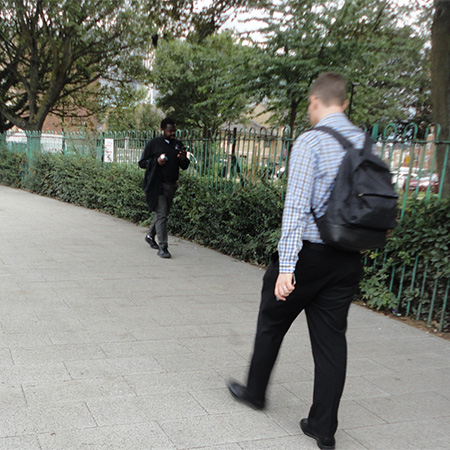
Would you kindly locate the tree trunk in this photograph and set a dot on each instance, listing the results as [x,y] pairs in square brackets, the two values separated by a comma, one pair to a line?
[440,83]
[293,116]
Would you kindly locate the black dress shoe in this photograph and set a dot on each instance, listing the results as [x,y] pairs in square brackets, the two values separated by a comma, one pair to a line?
[240,393]
[151,240]
[322,442]
[163,252]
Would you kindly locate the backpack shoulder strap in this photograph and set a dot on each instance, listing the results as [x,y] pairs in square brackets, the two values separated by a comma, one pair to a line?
[338,136]
[368,142]
[346,144]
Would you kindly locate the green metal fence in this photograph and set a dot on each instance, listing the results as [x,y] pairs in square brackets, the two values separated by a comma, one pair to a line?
[249,157]
[237,158]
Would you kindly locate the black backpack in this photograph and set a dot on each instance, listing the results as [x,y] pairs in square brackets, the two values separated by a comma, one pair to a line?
[363,203]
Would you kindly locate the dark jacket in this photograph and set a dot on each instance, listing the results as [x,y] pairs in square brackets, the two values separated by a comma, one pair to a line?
[155,174]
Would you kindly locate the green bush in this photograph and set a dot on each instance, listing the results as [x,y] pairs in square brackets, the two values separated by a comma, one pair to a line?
[85,181]
[243,223]
[13,167]
[413,272]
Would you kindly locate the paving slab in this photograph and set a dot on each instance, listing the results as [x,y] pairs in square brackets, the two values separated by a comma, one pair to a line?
[103,345]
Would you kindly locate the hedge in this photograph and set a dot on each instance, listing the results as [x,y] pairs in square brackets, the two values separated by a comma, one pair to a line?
[412,274]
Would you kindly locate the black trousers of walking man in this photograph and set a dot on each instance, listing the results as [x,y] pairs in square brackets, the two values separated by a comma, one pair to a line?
[158,226]
[326,282]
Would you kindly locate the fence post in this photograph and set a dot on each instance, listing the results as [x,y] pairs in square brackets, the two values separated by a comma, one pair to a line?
[375,132]
[63,142]
[101,146]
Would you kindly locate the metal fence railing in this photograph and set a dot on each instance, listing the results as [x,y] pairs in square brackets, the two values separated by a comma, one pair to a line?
[252,156]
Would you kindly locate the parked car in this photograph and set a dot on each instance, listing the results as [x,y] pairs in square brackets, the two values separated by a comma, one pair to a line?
[399,177]
[424,183]
[280,172]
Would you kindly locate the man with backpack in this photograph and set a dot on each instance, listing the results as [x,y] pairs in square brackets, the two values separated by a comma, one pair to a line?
[306,273]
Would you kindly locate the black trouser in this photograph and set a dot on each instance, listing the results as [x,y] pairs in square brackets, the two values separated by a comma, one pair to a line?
[327,280]
[159,223]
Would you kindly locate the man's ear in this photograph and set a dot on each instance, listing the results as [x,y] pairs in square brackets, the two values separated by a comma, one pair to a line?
[345,105]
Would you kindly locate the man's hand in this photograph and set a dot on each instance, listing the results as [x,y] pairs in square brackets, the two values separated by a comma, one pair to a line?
[182,154]
[162,159]
[284,285]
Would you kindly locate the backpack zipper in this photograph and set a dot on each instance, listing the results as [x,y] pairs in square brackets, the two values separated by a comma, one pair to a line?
[377,195]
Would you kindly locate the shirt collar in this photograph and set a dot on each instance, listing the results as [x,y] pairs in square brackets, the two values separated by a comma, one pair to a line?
[333,118]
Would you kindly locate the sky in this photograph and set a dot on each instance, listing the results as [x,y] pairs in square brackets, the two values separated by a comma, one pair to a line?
[244,22]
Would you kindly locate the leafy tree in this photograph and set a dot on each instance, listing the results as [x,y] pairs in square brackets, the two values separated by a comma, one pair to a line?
[197,82]
[53,53]
[440,76]
[53,50]
[212,17]
[362,39]
[396,84]
[136,114]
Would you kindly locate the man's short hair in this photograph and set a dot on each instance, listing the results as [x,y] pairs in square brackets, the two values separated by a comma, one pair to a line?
[330,88]
[166,122]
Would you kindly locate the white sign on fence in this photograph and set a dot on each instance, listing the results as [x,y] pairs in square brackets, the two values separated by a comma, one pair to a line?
[109,150]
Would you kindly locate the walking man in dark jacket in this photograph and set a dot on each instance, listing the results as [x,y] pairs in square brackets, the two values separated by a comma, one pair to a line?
[162,158]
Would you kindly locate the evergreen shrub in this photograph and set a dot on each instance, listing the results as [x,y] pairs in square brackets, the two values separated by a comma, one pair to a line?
[85,181]
[413,272]
[243,222]
[13,166]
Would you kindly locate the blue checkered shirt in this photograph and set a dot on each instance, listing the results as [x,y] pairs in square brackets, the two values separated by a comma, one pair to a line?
[313,166]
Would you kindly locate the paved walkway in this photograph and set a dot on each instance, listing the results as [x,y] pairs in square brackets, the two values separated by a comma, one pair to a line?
[103,345]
